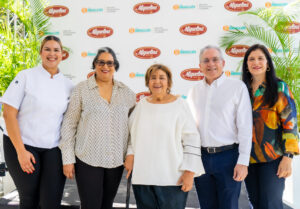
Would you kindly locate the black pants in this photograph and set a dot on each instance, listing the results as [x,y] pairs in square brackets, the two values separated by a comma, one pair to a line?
[97,186]
[43,188]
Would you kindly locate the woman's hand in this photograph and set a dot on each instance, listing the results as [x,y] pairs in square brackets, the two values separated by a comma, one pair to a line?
[285,167]
[187,180]
[26,159]
[69,171]
[129,164]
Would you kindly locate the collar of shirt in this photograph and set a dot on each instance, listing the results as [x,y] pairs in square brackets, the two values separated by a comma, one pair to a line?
[215,83]
[93,84]
[47,74]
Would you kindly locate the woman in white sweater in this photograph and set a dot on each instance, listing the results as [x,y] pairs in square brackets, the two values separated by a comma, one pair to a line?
[164,151]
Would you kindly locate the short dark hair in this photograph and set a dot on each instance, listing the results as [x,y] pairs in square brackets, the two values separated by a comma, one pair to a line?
[270,96]
[51,38]
[156,67]
[106,50]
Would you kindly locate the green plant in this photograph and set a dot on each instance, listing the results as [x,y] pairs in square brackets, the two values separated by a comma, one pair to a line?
[21,24]
[273,33]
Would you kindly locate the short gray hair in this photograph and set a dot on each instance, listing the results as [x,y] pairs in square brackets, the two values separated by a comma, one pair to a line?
[211,47]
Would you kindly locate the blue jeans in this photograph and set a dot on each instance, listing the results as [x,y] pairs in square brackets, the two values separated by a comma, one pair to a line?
[264,188]
[159,197]
[216,189]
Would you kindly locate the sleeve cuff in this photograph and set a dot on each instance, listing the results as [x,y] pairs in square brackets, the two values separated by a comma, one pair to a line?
[243,159]
[192,163]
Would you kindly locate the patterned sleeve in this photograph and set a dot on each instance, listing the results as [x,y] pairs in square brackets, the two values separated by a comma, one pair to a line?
[191,143]
[288,117]
[69,127]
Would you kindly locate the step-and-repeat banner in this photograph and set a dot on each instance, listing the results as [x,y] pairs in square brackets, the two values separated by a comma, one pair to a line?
[142,33]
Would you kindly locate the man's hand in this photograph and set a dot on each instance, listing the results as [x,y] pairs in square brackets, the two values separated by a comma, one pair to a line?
[240,172]
[129,164]
[69,171]
[187,180]
[285,167]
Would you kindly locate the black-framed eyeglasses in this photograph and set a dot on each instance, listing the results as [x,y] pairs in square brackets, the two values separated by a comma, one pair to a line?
[102,63]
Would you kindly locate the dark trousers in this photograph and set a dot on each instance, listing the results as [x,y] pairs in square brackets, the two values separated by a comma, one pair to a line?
[159,197]
[216,189]
[97,186]
[264,188]
[43,188]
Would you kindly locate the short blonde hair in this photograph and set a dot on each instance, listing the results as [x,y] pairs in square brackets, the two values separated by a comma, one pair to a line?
[154,68]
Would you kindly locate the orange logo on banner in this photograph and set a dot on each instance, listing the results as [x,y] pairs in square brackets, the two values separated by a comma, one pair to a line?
[270,50]
[268,4]
[192,74]
[176,51]
[90,74]
[226,27]
[193,29]
[131,30]
[65,55]
[56,11]
[141,95]
[83,54]
[227,73]
[176,6]
[146,8]
[131,75]
[147,52]
[100,32]
[237,50]
[238,5]
[84,10]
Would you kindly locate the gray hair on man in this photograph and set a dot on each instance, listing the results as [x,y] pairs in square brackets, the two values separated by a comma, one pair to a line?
[211,47]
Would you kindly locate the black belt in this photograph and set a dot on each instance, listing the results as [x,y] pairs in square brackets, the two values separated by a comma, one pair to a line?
[212,150]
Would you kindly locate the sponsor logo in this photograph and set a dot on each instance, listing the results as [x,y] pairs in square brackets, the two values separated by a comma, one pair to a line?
[270,4]
[133,75]
[146,8]
[56,11]
[147,52]
[42,33]
[65,54]
[181,51]
[90,74]
[139,30]
[141,95]
[176,6]
[192,74]
[238,5]
[100,32]
[230,73]
[88,54]
[193,29]
[294,27]
[237,50]
[85,10]
[230,27]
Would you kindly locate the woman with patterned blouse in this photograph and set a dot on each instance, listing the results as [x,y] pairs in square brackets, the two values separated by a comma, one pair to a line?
[275,133]
[95,133]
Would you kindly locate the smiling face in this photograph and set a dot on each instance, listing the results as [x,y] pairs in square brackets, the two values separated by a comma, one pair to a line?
[257,63]
[51,55]
[211,64]
[104,67]
[158,82]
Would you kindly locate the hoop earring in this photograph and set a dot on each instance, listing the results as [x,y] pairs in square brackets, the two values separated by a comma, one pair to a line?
[268,69]
[168,91]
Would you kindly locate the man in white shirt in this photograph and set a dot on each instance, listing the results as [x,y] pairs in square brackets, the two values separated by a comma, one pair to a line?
[222,110]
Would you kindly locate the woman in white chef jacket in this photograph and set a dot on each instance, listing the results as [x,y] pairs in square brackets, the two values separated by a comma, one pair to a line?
[33,108]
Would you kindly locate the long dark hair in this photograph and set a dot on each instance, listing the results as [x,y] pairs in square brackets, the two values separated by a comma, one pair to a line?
[270,96]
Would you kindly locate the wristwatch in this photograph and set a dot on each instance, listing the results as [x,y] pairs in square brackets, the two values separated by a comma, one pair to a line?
[288,155]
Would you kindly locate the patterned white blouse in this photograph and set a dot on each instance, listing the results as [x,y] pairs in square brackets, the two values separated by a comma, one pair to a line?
[94,130]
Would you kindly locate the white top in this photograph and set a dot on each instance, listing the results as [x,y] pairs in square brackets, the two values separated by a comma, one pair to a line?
[94,130]
[223,114]
[165,142]
[41,102]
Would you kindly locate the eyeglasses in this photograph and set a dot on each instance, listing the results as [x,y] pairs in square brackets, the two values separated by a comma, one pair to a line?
[102,63]
[215,60]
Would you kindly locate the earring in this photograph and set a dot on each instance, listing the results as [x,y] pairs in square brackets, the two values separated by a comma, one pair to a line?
[268,69]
